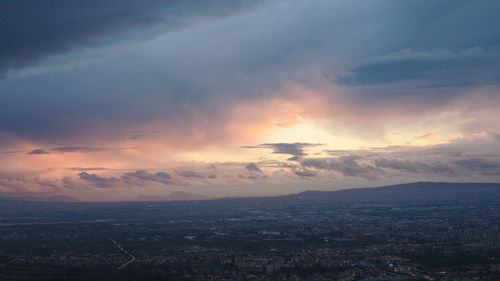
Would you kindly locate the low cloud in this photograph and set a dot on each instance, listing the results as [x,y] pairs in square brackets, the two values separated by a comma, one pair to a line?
[140,177]
[306,173]
[456,159]
[23,182]
[346,165]
[403,165]
[129,179]
[189,174]
[98,181]
[252,167]
[480,166]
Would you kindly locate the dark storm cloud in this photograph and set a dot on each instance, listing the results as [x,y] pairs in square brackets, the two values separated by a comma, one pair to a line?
[252,167]
[295,149]
[37,29]
[436,68]
[431,45]
[208,67]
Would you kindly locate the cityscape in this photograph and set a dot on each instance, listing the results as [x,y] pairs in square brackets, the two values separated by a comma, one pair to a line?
[305,236]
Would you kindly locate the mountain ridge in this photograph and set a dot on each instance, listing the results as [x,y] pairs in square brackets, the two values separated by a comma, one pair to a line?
[413,191]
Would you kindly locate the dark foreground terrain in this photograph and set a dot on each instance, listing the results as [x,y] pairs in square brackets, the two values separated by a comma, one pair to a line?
[420,231]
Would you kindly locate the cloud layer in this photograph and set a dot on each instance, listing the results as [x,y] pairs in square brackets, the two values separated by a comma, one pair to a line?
[149,94]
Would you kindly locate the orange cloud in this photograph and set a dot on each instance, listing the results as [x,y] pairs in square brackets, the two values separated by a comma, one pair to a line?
[427,136]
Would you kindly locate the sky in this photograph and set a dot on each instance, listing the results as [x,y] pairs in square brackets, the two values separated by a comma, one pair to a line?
[110,100]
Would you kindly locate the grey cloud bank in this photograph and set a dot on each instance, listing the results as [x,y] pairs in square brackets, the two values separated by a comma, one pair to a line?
[241,52]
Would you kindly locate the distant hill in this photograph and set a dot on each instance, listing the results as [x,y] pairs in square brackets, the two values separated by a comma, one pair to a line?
[410,192]
[53,198]
[418,191]
[174,196]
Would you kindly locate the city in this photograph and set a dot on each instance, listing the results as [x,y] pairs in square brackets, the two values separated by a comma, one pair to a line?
[296,237]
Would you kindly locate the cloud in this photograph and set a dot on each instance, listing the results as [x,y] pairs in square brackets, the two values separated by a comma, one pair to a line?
[59,26]
[70,149]
[461,158]
[98,181]
[64,149]
[174,80]
[404,165]
[38,151]
[427,136]
[163,175]
[346,165]
[306,173]
[252,167]
[252,176]
[26,182]
[435,68]
[137,136]
[87,169]
[189,174]
[295,149]
[479,166]
[97,75]
[139,177]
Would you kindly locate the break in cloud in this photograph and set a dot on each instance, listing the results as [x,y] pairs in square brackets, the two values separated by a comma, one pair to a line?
[176,86]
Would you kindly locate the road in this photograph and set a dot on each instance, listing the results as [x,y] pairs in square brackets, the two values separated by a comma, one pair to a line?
[125,251]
